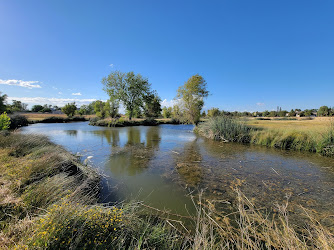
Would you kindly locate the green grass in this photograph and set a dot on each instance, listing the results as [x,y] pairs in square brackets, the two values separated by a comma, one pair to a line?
[226,129]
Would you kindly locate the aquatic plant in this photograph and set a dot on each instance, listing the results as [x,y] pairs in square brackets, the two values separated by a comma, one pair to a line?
[225,129]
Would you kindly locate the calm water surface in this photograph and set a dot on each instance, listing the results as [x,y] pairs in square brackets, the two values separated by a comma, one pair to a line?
[161,165]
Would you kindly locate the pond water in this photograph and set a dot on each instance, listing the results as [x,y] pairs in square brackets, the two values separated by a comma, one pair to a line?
[162,165]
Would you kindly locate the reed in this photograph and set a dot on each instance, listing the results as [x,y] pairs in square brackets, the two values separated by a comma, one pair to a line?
[226,129]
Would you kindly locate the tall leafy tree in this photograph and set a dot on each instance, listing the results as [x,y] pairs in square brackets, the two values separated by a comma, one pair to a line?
[192,94]
[69,109]
[3,106]
[128,88]
[152,107]
[323,111]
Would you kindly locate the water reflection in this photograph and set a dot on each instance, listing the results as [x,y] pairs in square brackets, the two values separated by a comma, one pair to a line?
[71,132]
[135,156]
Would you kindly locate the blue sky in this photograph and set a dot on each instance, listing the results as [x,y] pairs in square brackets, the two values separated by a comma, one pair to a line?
[254,55]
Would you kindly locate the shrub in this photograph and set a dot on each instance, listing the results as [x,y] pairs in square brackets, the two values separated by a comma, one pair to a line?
[226,129]
[18,121]
[4,121]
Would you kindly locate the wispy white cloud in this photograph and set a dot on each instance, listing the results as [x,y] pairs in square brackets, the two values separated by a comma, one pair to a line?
[54,101]
[21,83]
[170,103]
[76,93]
[60,93]
[111,65]
[260,104]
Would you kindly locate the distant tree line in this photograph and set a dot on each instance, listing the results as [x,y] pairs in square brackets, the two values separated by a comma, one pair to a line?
[323,111]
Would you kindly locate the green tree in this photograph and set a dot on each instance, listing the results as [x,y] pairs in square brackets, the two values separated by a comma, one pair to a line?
[69,109]
[308,112]
[323,111]
[292,113]
[111,108]
[152,107]
[177,113]
[127,88]
[272,114]
[99,109]
[282,113]
[17,106]
[37,108]
[3,106]
[4,121]
[213,112]
[166,112]
[192,95]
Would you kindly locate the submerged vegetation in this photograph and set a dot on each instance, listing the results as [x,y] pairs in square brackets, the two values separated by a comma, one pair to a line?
[50,200]
[231,129]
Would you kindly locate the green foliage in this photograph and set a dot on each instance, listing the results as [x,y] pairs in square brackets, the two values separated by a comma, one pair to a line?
[292,113]
[226,129]
[192,94]
[37,108]
[272,114]
[323,111]
[3,106]
[18,121]
[4,121]
[69,109]
[167,112]
[99,109]
[111,108]
[282,113]
[213,112]
[152,106]
[177,114]
[127,88]
[17,106]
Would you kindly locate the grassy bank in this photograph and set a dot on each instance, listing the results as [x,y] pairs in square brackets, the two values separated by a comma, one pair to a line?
[48,200]
[38,117]
[124,122]
[302,135]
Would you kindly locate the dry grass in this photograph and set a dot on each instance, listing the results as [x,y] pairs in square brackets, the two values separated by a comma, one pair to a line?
[252,228]
[41,116]
[314,126]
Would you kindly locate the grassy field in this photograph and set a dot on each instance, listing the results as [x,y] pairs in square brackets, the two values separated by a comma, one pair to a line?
[315,126]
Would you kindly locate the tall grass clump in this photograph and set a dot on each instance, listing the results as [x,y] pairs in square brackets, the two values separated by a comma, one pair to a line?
[225,129]
[249,227]
[326,144]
